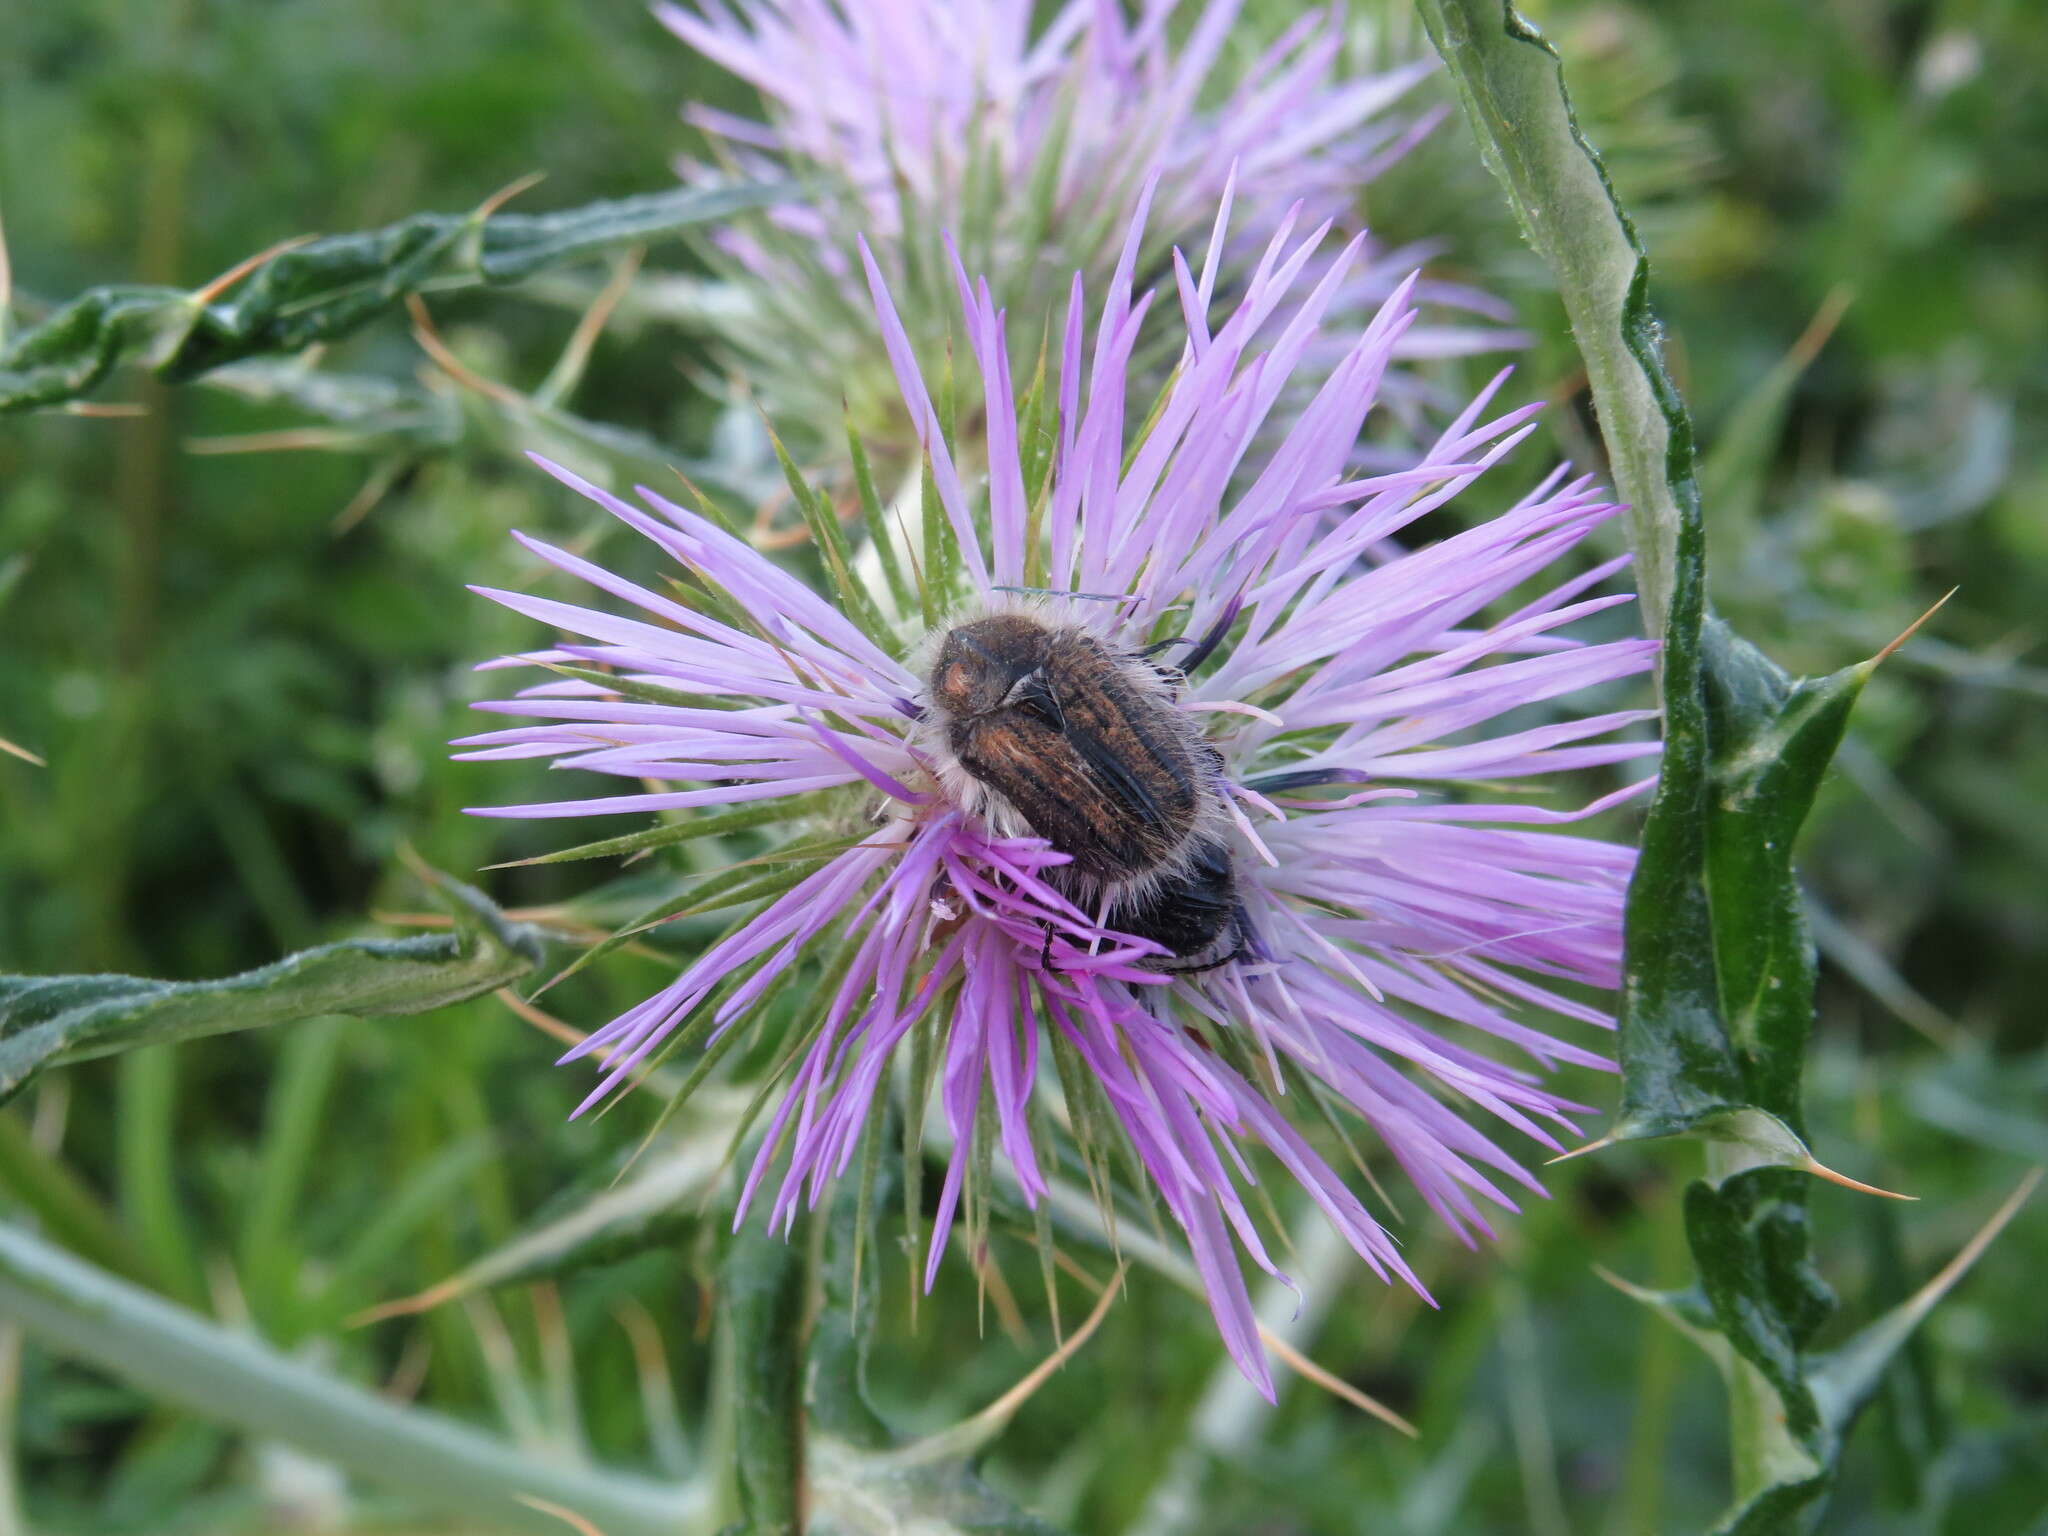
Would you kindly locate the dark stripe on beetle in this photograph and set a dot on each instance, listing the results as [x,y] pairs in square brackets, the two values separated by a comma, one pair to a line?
[1307,778]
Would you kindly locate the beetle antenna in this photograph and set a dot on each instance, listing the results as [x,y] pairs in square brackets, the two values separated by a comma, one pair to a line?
[1100,597]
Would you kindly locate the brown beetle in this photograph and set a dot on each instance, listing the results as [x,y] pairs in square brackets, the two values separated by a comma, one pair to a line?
[1044,728]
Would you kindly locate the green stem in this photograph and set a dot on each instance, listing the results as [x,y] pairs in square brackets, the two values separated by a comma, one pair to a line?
[1756,1413]
[81,1311]
[762,1285]
[1515,101]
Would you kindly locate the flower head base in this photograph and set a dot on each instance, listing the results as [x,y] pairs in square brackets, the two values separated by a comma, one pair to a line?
[903,118]
[1388,930]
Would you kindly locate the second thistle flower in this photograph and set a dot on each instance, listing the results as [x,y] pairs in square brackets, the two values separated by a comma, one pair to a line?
[1029,145]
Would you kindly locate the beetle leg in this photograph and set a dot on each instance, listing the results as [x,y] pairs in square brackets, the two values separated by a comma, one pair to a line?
[1045,954]
[1205,647]
[1247,947]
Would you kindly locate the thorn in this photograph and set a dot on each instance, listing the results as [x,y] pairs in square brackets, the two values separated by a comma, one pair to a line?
[562,975]
[410,1373]
[406,1306]
[430,342]
[1832,307]
[1821,1171]
[1009,1317]
[285,440]
[568,1034]
[1626,1287]
[1591,1146]
[1954,1269]
[1913,628]
[409,856]
[506,193]
[568,369]
[199,298]
[539,1018]
[703,507]
[568,1517]
[972,1432]
[643,1334]
[1336,1385]
[366,499]
[21,752]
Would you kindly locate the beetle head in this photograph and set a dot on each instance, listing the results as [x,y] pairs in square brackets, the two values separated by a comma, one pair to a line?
[980,662]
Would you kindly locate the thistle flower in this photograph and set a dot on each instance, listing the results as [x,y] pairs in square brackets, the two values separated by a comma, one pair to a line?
[1396,920]
[902,118]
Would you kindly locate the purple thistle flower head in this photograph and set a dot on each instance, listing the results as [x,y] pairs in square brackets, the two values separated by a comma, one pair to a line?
[1029,144]
[1212,891]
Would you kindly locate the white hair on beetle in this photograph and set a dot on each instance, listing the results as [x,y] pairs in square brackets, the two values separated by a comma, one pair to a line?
[1060,614]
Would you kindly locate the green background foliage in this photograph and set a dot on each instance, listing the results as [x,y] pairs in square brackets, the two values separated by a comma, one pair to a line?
[241,670]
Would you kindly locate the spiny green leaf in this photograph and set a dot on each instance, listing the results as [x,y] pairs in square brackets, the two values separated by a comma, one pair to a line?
[1767,768]
[325,288]
[1717,931]
[1749,1243]
[1718,970]
[50,1021]
[67,355]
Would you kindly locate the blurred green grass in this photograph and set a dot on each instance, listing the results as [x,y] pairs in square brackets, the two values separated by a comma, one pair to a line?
[244,715]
